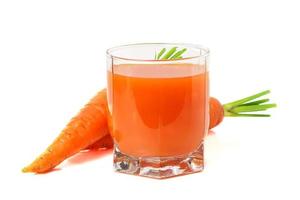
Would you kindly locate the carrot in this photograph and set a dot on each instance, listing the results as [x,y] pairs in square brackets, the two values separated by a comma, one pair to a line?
[86,128]
[217,112]
[89,129]
[105,142]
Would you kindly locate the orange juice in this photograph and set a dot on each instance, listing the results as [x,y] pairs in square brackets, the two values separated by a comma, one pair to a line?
[158,109]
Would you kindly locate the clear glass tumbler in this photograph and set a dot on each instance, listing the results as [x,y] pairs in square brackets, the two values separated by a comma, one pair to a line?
[158,108]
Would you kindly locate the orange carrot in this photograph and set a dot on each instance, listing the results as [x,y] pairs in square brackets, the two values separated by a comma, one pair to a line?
[105,142]
[83,130]
[216,112]
[89,129]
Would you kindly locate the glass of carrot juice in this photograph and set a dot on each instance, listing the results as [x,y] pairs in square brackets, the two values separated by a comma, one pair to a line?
[158,108]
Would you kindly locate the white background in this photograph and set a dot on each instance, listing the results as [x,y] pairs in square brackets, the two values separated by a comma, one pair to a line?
[52,61]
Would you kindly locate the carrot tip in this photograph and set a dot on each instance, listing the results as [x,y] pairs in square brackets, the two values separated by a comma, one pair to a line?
[26,170]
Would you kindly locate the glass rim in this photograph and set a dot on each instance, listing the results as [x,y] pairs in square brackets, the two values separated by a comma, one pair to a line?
[109,52]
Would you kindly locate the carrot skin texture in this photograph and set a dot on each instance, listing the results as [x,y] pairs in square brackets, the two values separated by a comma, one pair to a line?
[86,128]
[216,112]
[105,142]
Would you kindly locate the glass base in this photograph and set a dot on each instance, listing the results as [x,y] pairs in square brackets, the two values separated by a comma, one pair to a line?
[159,167]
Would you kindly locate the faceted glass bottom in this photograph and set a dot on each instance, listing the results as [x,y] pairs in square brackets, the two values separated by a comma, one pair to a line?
[159,167]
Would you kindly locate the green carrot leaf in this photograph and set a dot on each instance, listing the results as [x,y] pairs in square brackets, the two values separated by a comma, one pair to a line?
[255,102]
[252,108]
[169,53]
[247,99]
[246,115]
[161,53]
[244,107]
[178,54]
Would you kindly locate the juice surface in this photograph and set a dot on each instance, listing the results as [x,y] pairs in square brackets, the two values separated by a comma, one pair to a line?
[158,110]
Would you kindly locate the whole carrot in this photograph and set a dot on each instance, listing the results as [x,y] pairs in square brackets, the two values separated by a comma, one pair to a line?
[89,130]
[83,130]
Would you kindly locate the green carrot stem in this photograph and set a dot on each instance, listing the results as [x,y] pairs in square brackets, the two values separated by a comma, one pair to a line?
[178,54]
[252,108]
[246,115]
[169,53]
[244,100]
[161,53]
[244,107]
[255,102]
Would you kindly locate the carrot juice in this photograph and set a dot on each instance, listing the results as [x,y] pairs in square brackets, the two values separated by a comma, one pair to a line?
[158,110]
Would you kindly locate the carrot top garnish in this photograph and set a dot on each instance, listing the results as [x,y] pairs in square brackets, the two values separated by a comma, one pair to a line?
[169,55]
[246,106]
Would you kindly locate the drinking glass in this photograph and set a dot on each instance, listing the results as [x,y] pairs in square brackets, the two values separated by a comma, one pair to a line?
[158,109]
